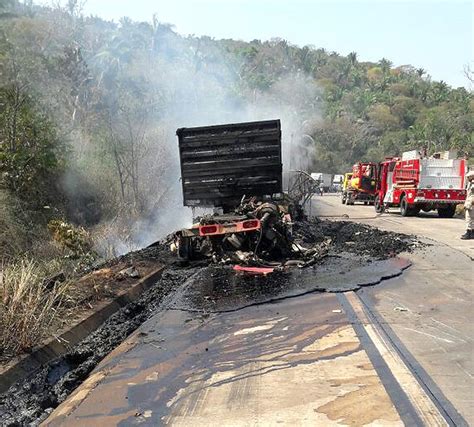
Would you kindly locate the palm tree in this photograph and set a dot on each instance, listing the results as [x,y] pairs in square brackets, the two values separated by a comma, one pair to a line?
[112,57]
[440,90]
[385,65]
[420,72]
[352,57]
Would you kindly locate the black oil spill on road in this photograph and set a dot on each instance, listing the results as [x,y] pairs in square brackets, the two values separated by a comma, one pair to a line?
[219,289]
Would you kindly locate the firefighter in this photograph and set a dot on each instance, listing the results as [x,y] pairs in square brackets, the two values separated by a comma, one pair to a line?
[469,207]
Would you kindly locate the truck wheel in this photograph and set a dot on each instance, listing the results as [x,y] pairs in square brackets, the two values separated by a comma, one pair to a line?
[447,211]
[404,209]
[378,205]
[185,248]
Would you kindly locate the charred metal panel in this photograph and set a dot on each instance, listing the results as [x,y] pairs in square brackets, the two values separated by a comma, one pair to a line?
[220,164]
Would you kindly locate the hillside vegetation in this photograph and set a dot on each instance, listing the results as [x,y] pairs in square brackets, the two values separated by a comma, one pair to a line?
[88,111]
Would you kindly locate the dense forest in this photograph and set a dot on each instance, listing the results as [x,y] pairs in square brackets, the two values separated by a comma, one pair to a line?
[89,110]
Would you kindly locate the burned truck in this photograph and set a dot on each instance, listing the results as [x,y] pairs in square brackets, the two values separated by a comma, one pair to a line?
[235,169]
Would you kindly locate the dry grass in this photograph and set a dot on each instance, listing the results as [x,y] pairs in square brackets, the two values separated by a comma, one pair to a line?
[29,306]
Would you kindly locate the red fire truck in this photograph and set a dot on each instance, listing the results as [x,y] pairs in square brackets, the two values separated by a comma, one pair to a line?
[415,182]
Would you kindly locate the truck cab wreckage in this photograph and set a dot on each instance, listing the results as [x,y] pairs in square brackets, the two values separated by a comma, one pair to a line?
[236,169]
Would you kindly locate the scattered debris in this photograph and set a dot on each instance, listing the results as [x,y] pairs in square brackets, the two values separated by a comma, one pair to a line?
[398,308]
[128,272]
[275,243]
[344,236]
[254,270]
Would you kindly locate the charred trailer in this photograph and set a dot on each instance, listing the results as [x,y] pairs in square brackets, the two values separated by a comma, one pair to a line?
[238,169]
[415,182]
[221,164]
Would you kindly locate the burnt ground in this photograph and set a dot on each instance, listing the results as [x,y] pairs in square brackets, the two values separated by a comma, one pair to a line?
[359,255]
[358,239]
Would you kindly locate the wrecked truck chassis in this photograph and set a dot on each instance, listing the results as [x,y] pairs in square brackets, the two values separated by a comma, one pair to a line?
[269,246]
[254,233]
[221,229]
[215,234]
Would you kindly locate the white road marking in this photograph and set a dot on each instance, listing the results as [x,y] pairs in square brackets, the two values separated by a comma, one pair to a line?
[424,406]
[428,335]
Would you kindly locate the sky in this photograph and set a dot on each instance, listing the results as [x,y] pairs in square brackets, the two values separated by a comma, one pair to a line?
[434,35]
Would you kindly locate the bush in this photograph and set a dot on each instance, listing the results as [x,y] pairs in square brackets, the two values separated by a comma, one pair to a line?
[68,236]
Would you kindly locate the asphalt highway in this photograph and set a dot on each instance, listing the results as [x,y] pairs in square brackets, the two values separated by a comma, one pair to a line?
[398,353]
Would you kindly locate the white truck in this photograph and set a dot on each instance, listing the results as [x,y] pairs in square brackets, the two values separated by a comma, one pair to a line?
[337,182]
[324,179]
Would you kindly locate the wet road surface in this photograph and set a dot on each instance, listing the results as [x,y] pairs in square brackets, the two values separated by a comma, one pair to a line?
[296,361]
[220,289]
[399,353]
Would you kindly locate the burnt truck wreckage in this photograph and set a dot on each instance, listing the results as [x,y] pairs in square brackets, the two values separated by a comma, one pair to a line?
[237,170]
[259,233]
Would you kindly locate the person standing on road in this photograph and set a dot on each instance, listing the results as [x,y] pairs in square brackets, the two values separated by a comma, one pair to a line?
[469,207]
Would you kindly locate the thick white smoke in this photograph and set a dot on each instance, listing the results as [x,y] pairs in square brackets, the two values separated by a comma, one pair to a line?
[191,83]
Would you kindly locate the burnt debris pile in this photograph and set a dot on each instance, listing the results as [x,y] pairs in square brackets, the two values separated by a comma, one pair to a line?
[262,234]
[344,256]
[344,236]
[257,233]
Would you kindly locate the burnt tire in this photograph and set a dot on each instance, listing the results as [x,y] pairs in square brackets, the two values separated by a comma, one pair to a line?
[185,248]
[447,211]
[378,205]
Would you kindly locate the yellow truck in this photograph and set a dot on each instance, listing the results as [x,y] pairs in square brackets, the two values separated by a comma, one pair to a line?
[359,185]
